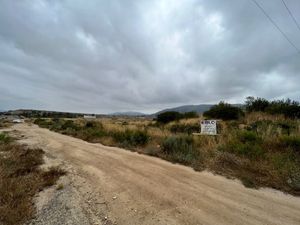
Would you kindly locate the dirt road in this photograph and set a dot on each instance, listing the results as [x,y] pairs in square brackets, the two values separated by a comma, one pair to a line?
[138,189]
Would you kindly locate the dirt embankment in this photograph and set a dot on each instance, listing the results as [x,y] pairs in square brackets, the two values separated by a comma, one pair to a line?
[114,186]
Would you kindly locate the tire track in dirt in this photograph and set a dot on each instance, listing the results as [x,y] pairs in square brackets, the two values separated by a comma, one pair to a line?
[139,189]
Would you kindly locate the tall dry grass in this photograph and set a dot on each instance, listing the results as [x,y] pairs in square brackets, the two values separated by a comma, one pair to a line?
[259,149]
[20,180]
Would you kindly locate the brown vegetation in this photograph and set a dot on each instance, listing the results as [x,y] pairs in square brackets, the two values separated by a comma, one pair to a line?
[20,179]
[260,149]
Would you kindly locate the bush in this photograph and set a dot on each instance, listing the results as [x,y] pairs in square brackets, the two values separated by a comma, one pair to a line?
[289,108]
[185,128]
[256,104]
[180,149]
[170,116]
[69,124]
[292,142]
[4,138]
[43,123]
[249,137]
[93,124]
[246,143]
[167,117]
[224,111]
[131,138]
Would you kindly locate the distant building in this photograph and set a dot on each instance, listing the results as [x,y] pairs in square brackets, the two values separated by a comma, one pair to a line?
[89,116]
[18,121]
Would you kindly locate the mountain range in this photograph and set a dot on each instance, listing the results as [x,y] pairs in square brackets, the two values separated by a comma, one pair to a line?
[182,109]
[188,108]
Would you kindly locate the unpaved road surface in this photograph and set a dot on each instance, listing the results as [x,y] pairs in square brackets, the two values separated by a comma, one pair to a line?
[131,188]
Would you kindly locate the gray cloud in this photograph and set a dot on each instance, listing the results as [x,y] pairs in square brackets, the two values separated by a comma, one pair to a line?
[104,56]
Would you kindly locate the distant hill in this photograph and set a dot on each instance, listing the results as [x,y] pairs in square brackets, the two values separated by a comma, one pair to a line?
[44,113]
[188,108]
[192,108]
[130,113]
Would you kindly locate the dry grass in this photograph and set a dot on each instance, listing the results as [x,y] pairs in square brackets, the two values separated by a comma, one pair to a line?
[5,123]
[20,179]
[259,116]
[259,149]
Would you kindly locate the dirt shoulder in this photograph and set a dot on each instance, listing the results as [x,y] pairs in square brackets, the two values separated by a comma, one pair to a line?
[122,187]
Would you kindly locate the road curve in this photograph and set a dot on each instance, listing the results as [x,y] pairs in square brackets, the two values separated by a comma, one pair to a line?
[145,190]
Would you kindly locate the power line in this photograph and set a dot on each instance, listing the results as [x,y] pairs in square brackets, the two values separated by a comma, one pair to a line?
[274,23]
[291,14]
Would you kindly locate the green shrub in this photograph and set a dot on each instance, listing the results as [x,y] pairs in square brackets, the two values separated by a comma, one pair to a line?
[246,143]
[69,124]
[287,126]
[249,137]
[170,116]
[93,124]
[43,122]
[4,138]
[167,117]
[256,104]
[224,111]
[289,108]
[292,142]
[131,137]
[180,149]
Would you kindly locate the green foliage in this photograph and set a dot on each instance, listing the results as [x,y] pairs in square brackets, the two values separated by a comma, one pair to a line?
[249,137]
[167,117]
[131,137]
[180,149]
[224,111]
[289,108]
[256,104]
[69,124]
[170,116]
[4,138]
[44,123]
[292,142]
[245,143]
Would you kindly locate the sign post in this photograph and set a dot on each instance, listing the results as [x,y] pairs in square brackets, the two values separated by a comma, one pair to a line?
[209,127]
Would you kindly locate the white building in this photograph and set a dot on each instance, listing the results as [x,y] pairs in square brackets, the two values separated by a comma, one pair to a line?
[89,117]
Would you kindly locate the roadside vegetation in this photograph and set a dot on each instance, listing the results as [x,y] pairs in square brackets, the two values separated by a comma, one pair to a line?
[20,179]
[258,143]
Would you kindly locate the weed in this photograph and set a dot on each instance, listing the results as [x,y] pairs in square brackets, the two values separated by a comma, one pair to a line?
[4,138]
[20,179]
[246,143]
[292,142]
[131,138]
[247,182]
[180,149]
[260,149]
[60,187]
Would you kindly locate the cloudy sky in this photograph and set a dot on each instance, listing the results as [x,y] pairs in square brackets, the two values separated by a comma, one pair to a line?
[103,56]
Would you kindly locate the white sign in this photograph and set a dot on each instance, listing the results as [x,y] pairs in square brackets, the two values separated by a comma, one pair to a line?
[209,127]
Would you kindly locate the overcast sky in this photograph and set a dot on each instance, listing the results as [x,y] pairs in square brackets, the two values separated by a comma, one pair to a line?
[103,56]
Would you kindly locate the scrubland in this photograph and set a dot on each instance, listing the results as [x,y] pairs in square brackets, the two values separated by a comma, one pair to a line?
[260,149]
